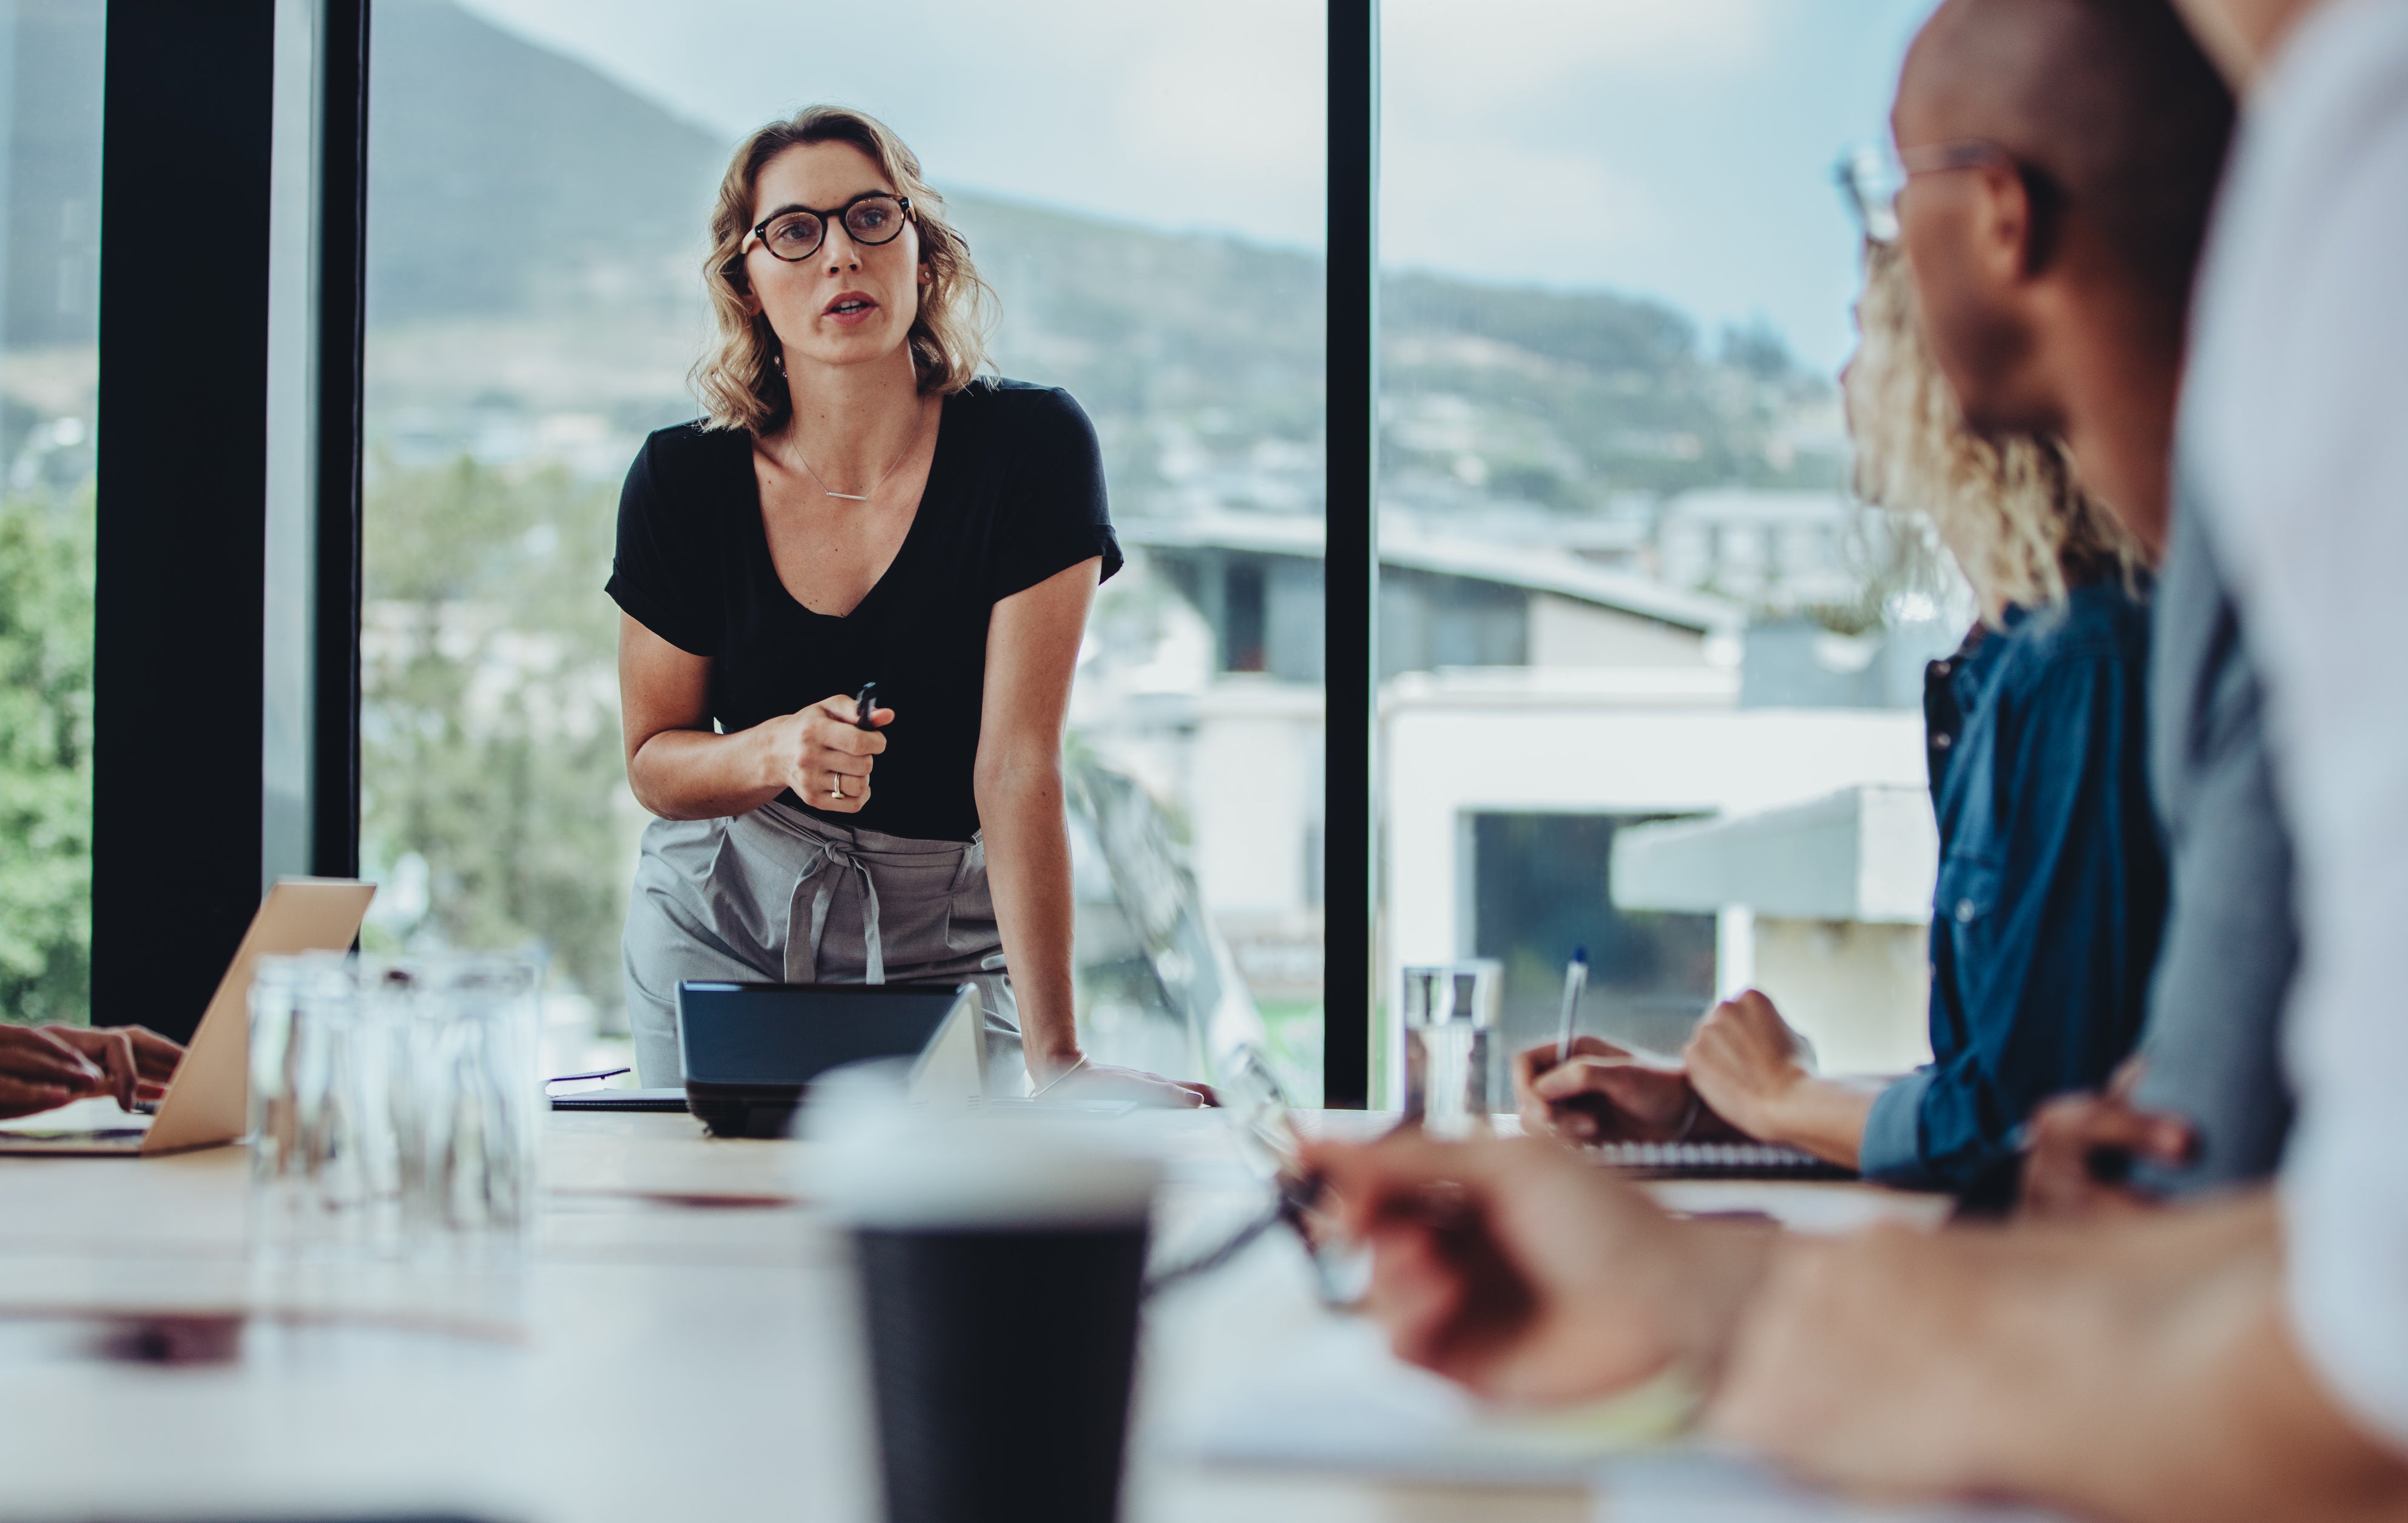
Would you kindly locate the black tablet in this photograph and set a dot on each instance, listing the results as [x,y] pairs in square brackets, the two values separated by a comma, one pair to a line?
[750,1050]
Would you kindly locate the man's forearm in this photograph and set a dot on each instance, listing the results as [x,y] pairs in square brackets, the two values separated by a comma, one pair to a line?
[2146,1373]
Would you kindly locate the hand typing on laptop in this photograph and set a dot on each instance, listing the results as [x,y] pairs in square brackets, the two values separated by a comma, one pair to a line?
[45,1067]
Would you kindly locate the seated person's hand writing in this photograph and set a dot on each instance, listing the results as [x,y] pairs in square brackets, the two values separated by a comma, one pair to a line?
[1602,1092]
[2077,1146]
[1529,1275]
[42,1067]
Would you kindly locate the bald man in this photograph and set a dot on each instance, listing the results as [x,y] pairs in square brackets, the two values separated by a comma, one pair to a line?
[2247,1359]
[2141,1369]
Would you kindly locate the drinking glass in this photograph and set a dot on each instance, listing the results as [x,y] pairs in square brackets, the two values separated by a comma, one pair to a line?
[1449,1010]
[303,1174]
[395,1103]
[469,1134]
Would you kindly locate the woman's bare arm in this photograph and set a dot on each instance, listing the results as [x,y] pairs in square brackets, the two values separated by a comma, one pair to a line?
[681,769]
[1032,653]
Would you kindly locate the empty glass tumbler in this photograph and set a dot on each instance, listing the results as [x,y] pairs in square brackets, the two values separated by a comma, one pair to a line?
[1449,1010]
[312,1183]
[477,1082]
[395,1103]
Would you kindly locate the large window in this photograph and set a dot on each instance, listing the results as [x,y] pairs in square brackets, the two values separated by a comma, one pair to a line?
[50,54]
[1142,186]
[1623,575]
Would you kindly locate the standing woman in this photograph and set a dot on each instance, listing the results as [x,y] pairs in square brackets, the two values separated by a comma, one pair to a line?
[858,506]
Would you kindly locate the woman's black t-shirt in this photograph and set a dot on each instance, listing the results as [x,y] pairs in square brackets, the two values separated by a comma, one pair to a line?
[1015,494]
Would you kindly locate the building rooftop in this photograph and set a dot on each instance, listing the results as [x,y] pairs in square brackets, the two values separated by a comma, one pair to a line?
[1408,547]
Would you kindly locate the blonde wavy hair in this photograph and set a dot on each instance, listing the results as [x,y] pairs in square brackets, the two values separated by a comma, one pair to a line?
[2008,511]
[737,380]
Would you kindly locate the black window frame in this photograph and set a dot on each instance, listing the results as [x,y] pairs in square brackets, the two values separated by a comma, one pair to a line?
[177,854]
[182,481]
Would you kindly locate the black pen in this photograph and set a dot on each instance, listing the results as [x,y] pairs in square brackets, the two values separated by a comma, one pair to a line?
[864,705]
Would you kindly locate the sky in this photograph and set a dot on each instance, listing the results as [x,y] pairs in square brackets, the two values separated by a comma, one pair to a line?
[1680,149]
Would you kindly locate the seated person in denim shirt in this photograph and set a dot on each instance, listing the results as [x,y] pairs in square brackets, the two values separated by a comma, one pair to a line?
[2052,881]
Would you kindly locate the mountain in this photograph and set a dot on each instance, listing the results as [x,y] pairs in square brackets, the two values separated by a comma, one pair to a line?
[504,177]
[523,206]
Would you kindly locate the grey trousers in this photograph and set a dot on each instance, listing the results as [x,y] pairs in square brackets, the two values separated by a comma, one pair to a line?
[783,897]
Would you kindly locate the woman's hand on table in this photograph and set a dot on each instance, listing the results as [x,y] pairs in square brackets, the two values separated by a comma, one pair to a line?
[1080,1080]
[1602,1092]
[1527,1274]
[818,750]
[42,1067]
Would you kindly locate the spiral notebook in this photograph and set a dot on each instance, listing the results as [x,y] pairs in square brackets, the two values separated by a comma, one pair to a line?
[1715,1160]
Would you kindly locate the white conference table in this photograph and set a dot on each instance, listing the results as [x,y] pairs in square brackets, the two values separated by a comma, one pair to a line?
[678,1342]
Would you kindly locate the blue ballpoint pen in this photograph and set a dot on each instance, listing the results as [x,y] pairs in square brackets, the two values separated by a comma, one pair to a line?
[1575,979]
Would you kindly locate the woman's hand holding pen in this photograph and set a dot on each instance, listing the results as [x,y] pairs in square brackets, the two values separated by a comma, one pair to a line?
[823,754]
[1601,1093]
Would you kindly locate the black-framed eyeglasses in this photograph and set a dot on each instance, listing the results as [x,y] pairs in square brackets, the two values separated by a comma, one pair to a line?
[792,233]
[1871,178]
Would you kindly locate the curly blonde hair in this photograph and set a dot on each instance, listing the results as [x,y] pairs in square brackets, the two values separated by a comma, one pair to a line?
[737,380]
[2007,509]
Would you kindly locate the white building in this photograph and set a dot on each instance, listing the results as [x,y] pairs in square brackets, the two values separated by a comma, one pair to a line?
[1635,743]
[1533,699]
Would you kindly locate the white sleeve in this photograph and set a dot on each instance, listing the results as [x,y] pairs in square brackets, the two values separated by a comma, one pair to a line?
[2295,434]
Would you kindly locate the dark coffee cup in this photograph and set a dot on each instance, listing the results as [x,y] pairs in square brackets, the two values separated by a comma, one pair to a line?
[1002,1360]
[1001,1265]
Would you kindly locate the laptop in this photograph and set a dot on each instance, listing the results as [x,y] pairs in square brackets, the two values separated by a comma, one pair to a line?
[750,1051]
[208,1100]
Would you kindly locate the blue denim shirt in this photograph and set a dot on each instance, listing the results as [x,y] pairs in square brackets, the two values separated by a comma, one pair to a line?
[2051,884]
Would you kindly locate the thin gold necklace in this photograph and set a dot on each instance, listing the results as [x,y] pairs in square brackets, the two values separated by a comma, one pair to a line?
[864,496]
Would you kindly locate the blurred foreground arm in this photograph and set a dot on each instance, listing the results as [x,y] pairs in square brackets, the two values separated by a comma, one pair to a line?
[1529,1275]
[2138,1370]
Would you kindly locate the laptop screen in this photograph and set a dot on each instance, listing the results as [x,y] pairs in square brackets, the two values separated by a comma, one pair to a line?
[781,1034]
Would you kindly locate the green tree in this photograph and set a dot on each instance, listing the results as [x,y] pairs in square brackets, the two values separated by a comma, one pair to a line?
[46,610]
[490,715]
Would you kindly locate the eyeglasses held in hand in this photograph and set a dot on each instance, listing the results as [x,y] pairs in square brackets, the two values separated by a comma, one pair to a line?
[792,233]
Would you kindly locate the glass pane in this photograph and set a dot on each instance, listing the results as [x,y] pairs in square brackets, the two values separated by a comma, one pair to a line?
[49,271]
[1142,187]
[1625,583]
